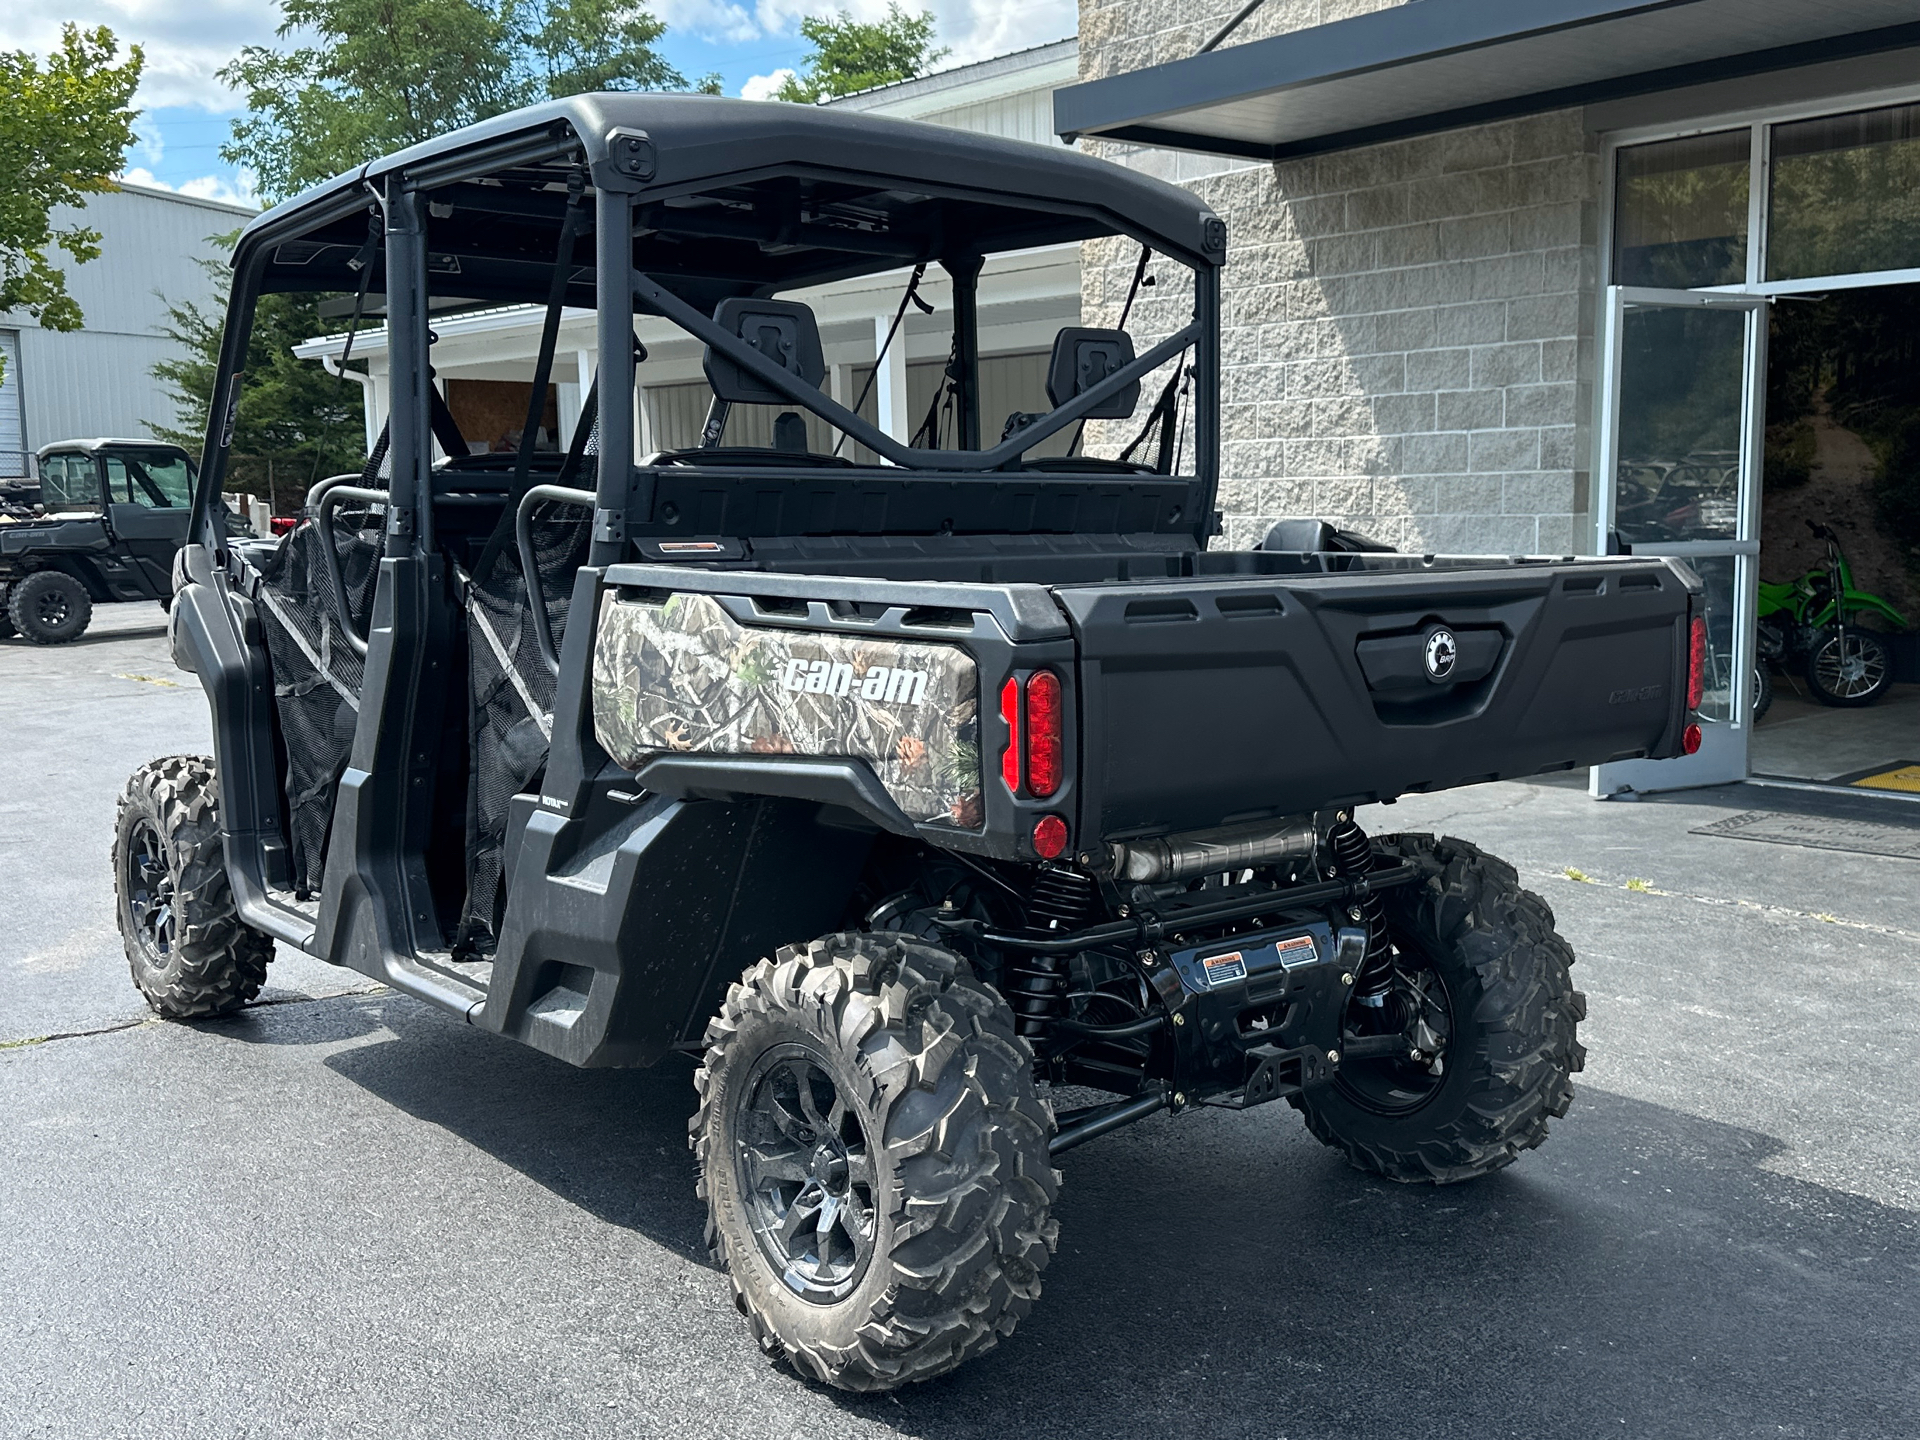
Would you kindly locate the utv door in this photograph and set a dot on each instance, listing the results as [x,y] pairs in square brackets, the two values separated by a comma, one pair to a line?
[149,503]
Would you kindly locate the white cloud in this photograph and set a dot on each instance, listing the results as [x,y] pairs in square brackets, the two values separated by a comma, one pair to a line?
[238,191]
[765,87]
[971,29]
[186,41]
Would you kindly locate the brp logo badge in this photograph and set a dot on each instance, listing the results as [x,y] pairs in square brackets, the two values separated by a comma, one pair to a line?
[1443,652]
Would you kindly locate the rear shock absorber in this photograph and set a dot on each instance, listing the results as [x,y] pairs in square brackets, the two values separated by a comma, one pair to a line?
[1060,899]
[1353,856]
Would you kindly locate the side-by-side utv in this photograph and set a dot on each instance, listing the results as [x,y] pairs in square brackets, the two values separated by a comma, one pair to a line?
[913,787]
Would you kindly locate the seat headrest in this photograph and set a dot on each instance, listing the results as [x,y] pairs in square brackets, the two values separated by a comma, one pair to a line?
[782,330]
[1082,358]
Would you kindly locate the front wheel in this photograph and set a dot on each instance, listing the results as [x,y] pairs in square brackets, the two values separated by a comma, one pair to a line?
[1479,997]
[191,954]
[1848,669]
[1762,698]
[873,1157]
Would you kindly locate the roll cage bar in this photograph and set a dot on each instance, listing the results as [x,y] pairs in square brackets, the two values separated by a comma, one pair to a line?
[638,267]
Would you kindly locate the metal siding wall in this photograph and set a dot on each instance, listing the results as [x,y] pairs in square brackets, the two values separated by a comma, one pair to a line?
[13,441]
[1026,116]
[84,384]
[98,380]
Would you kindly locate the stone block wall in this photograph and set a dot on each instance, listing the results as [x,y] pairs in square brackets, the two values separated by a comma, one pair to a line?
[1407,327]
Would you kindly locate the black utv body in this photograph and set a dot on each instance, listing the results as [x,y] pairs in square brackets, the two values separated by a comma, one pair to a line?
[108,518]
[915,791]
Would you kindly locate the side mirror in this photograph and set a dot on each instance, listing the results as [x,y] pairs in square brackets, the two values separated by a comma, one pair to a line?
[1081,360]
[783,331]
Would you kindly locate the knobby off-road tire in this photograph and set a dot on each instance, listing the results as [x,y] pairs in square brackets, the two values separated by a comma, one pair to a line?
[1513,1016]
[191,954]
[49,607]
[928,1121]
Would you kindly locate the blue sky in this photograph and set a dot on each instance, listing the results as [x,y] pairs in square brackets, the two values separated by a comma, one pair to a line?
[187,112]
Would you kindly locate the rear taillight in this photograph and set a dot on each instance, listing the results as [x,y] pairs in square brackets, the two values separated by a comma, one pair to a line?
[1010,712]
[1696,662]
[1035,752]
[1049,837]
[1043,733]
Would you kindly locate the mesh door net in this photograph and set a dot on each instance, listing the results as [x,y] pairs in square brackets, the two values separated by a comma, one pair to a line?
[316,674]
[512,715]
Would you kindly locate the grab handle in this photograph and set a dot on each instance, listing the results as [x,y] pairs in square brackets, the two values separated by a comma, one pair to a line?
[530,571]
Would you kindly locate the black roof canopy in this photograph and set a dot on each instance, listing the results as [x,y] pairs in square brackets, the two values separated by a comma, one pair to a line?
[1433,65]
[743,196]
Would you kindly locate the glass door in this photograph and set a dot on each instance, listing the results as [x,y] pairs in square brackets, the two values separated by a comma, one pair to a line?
[1679,474]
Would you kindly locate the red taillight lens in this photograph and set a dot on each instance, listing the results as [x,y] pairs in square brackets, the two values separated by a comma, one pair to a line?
[1010,712]
[1696,663]
[1690,739]
[1050,836]
[1043,733]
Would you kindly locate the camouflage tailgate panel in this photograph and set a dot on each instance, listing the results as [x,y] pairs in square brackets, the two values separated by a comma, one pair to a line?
[684,676]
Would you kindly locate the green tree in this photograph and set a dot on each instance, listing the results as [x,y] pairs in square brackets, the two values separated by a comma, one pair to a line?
[373,76]
[850,55]
[63,131]
[297,424]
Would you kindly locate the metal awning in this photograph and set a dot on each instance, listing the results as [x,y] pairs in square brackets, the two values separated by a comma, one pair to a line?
[1436,64]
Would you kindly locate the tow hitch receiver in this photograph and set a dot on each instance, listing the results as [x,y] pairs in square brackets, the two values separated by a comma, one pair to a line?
[1266,1010]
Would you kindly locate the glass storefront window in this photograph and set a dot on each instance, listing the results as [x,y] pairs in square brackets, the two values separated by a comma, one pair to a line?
[1681,386]
[1845,194]
[1680,212]
[1718,572]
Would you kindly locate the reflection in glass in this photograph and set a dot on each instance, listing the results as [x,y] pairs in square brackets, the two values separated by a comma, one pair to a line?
[1680,212]
[1681,378]
[1718,572]
[1845,195]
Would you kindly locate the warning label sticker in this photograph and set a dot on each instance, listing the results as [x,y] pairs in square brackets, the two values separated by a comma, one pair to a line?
[1224,969]
[1297,950]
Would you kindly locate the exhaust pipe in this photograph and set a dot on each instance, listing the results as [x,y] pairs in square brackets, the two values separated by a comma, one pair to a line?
[1205,852]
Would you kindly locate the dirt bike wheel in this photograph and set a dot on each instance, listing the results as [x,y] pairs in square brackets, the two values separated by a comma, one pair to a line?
[1850,674]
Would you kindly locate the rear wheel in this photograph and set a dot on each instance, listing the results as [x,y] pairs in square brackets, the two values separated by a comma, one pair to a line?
[1480,995]
[190,953]
[1762,688]
[1850,669]
[873,1156]
[49,607]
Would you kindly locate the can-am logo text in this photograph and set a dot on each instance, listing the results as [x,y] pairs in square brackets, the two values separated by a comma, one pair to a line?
[823,677]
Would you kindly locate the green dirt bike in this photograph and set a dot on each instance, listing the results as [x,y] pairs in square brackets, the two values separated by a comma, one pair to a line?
[1814,620]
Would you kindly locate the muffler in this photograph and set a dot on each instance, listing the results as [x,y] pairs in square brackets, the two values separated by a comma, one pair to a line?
[1206,852]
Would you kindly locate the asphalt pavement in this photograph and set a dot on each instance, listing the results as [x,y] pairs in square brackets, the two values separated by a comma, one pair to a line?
[341,1213]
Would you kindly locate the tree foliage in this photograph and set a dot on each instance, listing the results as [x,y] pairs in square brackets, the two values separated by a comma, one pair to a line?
[372,76]
[296,423]
[850,55]
[63,130]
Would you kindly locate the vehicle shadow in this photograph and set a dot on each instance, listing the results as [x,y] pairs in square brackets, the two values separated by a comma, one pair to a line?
[1646,1273]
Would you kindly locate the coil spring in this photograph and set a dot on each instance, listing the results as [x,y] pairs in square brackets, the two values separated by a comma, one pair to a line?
[1353,855]
[1059,899]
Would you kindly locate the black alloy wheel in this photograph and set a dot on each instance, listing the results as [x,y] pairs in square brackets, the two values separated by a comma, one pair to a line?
[1480,1019]
[49,607]
[806,1174]
[149,890]
[1413,1005]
